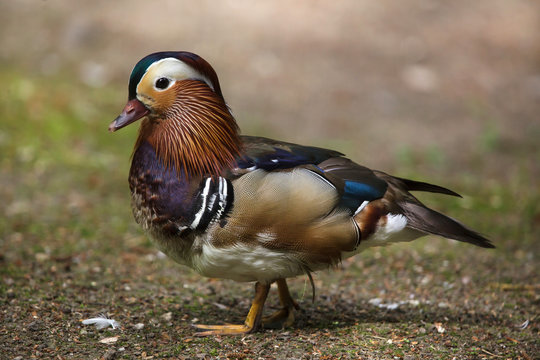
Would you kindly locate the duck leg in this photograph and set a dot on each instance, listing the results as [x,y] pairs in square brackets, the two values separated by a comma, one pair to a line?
[253,319]
[285,316]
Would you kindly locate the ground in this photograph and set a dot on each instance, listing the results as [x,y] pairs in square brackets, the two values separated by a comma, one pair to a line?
[447,93]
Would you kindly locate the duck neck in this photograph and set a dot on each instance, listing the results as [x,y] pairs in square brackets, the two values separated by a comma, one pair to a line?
[197,135]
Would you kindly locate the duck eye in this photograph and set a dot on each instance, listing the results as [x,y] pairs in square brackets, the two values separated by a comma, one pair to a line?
[162,83]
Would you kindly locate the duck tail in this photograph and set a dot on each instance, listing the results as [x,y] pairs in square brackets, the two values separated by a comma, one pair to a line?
[413,185]
[429,221]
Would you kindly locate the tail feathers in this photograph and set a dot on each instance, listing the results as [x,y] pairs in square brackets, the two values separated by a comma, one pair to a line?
[430,221]
[413,185]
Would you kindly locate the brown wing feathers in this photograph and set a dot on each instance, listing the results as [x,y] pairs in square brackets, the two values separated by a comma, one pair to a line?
[422,218]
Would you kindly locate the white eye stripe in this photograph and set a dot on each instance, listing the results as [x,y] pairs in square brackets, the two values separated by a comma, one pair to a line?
[174,70]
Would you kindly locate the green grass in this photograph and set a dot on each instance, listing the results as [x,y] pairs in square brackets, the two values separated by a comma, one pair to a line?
[69,249]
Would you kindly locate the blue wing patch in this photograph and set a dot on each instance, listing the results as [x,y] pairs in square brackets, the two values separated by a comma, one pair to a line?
[356,183]
[355,193]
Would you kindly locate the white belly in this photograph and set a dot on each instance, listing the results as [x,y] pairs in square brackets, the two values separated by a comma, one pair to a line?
[243,262]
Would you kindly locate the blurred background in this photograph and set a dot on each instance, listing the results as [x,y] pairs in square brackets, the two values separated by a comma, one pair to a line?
[380,78]
[445,92]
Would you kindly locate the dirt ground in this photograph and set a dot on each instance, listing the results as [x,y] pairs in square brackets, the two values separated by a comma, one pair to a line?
[447,92]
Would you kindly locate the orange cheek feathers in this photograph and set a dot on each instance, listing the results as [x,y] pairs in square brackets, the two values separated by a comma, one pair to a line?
[159,101]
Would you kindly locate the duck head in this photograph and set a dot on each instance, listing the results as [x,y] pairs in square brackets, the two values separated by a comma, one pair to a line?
[186,118]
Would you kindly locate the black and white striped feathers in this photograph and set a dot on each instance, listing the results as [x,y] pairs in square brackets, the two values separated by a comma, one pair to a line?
[214,200]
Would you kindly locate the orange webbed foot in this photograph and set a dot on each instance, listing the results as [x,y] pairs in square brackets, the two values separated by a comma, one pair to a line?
[253,319]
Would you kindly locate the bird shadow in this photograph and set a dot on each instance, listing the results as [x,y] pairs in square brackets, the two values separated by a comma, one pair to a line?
[343,313]
[340,313]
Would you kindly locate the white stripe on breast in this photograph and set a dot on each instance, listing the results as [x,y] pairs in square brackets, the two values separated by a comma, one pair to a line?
[200,213]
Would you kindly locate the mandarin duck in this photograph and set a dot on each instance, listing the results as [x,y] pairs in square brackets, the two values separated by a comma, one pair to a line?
[250,208]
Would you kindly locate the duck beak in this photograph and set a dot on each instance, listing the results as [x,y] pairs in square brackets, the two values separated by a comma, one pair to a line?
[133,111]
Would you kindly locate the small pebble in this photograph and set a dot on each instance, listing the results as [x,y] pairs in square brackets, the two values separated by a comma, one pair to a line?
[109,340]
[167,316]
